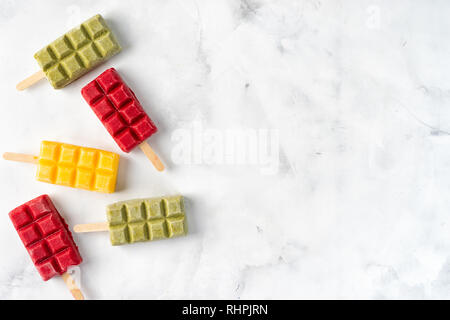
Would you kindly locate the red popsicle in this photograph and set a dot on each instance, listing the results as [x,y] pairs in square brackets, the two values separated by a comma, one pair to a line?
[47,239]
[117,107]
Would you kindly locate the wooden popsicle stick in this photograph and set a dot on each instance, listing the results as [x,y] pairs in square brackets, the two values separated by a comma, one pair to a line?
[74,290]
[28,82]
[151,155]
[20,157]
[91,227]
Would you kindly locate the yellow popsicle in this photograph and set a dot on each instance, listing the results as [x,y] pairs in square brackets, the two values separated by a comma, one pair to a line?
[77,167]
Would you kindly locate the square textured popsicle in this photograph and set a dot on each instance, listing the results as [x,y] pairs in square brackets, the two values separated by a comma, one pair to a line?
[78,51]
[119,110]
[46,237]
[77,167]
[146,219]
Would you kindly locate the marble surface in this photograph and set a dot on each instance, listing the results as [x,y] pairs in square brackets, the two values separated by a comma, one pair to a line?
[310,138]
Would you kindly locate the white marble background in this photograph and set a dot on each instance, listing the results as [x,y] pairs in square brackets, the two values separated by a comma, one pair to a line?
[359,92]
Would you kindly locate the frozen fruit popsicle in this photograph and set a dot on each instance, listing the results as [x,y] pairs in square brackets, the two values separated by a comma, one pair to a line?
[74,54]
[121,113]
[47,239]
[142,220]
[73,166]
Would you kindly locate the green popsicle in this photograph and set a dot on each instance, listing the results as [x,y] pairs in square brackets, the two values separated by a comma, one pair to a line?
[146,219]
[77,52]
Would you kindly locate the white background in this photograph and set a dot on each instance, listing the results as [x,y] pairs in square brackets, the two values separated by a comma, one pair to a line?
[359,92]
